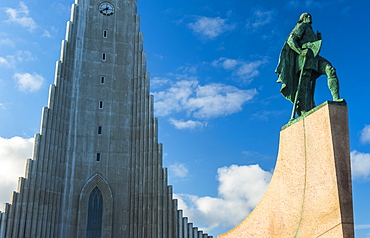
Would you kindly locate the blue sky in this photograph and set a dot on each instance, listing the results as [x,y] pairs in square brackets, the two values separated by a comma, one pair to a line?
[212,68]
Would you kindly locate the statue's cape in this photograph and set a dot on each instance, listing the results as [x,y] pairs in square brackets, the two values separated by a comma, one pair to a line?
[287,71]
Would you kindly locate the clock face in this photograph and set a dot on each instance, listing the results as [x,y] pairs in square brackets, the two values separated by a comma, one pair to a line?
[106,8]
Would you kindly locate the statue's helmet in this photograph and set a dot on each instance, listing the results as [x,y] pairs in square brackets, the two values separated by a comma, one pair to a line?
[303,16]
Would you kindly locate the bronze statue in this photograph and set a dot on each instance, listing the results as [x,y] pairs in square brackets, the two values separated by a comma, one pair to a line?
[300,65]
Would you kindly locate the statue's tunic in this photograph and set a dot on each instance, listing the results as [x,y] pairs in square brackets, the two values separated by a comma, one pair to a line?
[304,33]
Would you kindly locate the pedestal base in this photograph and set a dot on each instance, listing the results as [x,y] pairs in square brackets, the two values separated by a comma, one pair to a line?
[310,193]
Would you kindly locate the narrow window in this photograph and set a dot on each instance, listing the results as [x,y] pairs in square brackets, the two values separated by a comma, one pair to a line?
[98,157]
[105,33]
[101,104]
[95,214]
[104,56]
[99,130]
[102,79]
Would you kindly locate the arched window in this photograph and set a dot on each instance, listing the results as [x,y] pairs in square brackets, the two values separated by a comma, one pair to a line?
[93,221]
[95,214]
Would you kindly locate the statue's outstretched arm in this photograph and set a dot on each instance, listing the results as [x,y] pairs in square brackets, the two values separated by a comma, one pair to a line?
[292,42]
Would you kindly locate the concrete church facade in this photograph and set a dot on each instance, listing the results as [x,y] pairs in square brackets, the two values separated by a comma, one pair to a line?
[96,168]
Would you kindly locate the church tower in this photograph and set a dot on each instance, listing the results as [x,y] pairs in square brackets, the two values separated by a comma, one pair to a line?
[96,169]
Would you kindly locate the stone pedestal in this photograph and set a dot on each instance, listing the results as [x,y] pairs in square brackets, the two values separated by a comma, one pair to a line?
[310,194]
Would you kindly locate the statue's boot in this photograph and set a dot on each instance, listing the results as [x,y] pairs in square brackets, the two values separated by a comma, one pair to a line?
[333,85]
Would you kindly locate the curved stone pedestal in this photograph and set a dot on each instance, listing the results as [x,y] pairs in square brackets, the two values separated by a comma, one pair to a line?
[310,193]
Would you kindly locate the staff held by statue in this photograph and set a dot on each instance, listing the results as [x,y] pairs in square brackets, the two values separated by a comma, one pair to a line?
[315,47]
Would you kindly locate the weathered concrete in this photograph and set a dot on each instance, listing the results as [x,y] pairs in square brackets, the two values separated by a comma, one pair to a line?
[310,194]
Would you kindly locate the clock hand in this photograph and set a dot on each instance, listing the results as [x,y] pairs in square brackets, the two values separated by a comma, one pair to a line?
[105,9]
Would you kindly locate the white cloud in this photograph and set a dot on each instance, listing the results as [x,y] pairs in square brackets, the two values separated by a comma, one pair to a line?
[29,82]
[21,16]
[13,155]
[210,27]
[10,61]
[260,18]
[202,102]
[46,34]
[214,100]
[175,98]
[241,69]
[190,124]
[159,81]
[178,170]
[49,33]
[8,42]
[360,165]
[229,63]
[365,135]
[188,69]
[225,63]
[4,62]
[240,189]
[24,56]
[249,70]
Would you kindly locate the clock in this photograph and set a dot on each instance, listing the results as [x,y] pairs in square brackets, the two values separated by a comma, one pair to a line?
[106,8]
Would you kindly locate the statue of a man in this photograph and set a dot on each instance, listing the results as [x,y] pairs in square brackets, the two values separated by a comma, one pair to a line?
[300,65]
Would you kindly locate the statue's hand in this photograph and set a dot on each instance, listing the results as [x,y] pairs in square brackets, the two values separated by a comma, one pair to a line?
[304,52]
[319,36]
[307,45]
